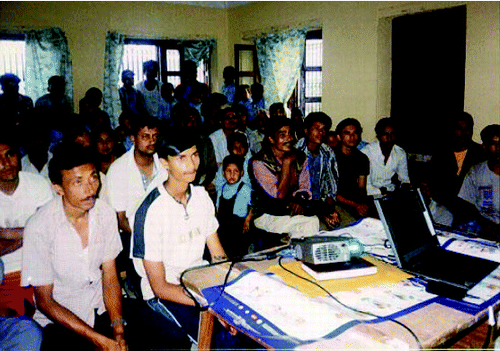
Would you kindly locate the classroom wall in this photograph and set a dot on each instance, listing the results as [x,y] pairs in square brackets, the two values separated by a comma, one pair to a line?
[86,24]
[356,39]
[356,56]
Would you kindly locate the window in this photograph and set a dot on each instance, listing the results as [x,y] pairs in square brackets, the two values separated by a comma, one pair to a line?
[246,64]
[311,80]
[12,53]
[168,53]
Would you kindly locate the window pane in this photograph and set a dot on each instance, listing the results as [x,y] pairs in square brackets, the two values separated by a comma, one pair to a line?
[173,61]
[175,80]
[12,59]
[312,107]
[314,53]
[134,55]
[246,80]
[313,84]
[246,61]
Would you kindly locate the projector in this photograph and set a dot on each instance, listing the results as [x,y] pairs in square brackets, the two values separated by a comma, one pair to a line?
[327,249]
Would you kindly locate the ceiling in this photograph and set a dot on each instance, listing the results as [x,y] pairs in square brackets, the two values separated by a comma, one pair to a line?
[213,4]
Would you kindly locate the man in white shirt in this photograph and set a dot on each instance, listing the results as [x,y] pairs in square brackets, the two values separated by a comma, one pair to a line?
[387,160]
[229,122]
[21,194]
[151,88]
[70,246]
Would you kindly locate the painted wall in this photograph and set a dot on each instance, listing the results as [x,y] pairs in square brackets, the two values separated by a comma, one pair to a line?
[86,24]
[356,56]
[356,36]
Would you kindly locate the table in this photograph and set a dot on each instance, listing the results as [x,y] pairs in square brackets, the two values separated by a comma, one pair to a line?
[435,325]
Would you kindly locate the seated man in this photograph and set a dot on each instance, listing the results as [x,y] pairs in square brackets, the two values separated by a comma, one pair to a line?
[354,167]
[171,228]
[21,194]
[388,162]
[323,170]
[481,190]
[450,165]
[282,185]
[229,122]
[70,246]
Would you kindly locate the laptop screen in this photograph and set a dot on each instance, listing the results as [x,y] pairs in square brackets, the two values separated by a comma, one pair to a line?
[406,225]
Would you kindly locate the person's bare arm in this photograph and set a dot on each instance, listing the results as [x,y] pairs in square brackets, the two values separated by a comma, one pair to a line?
[155,272]
[215,247]
[123,222]
[60,314]
[112,294]
[11,239]
[248,220]
[286,173]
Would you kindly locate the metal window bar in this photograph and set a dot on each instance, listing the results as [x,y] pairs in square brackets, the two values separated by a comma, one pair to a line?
[311,81]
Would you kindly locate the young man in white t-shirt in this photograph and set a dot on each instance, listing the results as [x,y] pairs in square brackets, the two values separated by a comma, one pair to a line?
[171,228]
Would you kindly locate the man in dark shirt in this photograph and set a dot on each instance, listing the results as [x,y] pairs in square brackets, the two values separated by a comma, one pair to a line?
[354,168]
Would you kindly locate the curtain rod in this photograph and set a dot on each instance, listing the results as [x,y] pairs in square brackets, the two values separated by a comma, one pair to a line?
[309,25]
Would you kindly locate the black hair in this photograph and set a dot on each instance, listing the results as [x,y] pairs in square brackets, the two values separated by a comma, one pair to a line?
[94,93]
[126,73]
[151,64]
[489,132]
[275,107]
[237,160]
[223,113]
[275,124]
[349,122]
[8,137]
[144,121]
[67,156]
[177,141]
[320,117]
[382,124]
[462,116]
[9,77]
[236,137]
[56,80]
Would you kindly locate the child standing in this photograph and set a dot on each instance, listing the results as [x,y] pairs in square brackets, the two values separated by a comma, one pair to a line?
[233,208]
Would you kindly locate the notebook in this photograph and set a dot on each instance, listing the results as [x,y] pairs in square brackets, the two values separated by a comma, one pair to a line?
[409,228]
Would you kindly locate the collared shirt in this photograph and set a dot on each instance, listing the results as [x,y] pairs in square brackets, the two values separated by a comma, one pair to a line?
[380,172]
[219,141]
[27,166]
[166,231]
[269,182]
[53,254]
[124,182]
[33,191]
[325,170]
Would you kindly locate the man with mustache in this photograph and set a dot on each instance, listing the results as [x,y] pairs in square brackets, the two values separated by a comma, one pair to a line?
[282,184]
[70,247]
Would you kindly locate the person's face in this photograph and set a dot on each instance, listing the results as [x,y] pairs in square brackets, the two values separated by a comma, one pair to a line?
[128,81]
[230,121]
[462,133]
[283,139]
[183,167]
[79,187]
[387,137]
[349,136]
[9,164]
[83,140]
[239,149]
[493,149]
[191,121]
[279,113]
[316,133]
[104,144]
[332,141]
[145,140]
[232,173]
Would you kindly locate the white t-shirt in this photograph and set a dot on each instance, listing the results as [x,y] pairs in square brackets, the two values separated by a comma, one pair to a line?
[27,166]
[124,185]
[152,98]
[164,231]
[380,173]
[32,192]
[481,188]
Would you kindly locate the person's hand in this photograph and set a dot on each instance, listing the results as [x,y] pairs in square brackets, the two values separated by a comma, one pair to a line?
[296,209]
[107,344]
[289,158]
[332,219]
[362,209]
[246,226]
[120,338]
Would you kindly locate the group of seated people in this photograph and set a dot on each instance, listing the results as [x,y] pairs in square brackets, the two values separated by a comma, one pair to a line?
[86,209]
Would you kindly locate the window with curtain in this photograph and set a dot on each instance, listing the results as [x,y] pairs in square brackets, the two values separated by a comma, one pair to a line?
[168,53]
[311,79]
[34,57]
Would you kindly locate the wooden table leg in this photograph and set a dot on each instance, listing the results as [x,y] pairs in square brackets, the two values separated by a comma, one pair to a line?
[206,330]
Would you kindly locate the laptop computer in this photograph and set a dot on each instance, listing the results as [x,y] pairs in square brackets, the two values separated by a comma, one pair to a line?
[411,233]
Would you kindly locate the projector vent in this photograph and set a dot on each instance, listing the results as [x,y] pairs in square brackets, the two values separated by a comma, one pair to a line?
[328,252]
